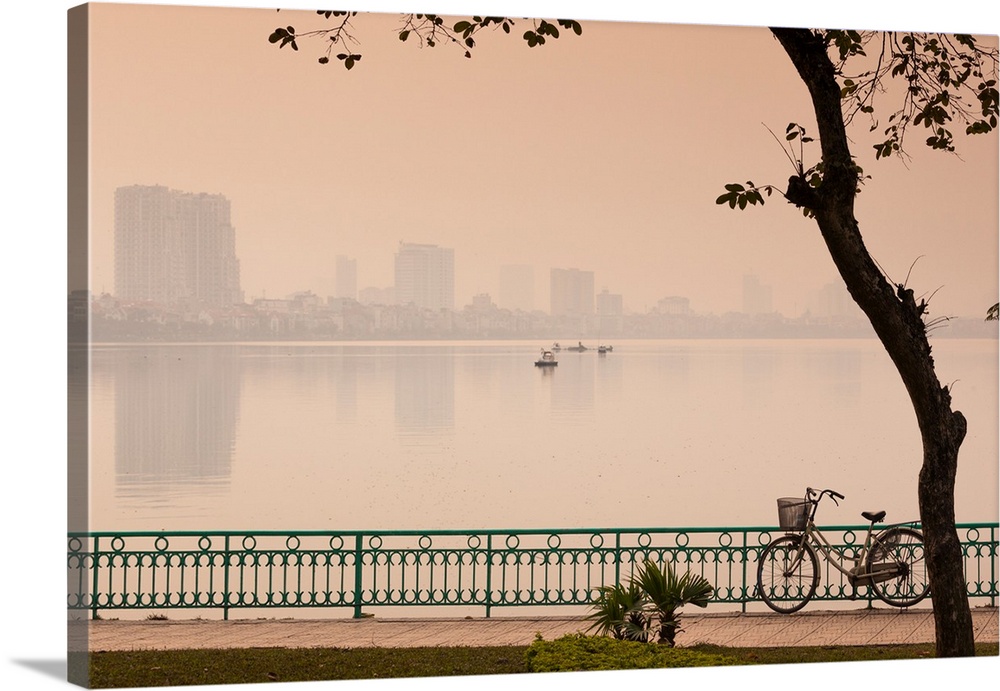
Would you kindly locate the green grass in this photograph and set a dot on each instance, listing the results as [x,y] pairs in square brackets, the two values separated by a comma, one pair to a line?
[258,665]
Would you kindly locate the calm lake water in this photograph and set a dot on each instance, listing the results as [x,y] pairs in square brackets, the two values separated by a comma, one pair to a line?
[473,435]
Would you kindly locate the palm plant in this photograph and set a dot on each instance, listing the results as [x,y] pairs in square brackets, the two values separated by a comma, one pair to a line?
[667,593]
[651,598]
[619,610]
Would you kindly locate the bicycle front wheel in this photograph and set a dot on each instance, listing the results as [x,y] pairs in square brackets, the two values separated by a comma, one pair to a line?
[902,549]
[787,574]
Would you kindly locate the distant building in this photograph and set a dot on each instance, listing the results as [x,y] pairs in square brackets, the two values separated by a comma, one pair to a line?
[377,296]
[346,278]
[482,302]
[610,312]
[572,293]
[674,305]
[283,305]
[517,287]
[305,301]
[833,300]
[756,296]
[425,276]
[173,247]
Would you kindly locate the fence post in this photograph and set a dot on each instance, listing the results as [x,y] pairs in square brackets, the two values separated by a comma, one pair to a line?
[93,594]
[225,583]
[489,573]
[618,557]
[746,586]
[993,568]
[359,538]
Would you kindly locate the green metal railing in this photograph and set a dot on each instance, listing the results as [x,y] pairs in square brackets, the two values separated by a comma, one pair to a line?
[489,568]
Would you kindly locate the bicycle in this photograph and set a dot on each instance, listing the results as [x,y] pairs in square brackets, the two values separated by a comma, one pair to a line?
[890,563]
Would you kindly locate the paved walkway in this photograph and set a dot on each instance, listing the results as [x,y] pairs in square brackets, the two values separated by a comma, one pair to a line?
[851,627]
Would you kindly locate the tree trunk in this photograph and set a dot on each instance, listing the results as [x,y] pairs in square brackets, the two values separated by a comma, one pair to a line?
[898,323]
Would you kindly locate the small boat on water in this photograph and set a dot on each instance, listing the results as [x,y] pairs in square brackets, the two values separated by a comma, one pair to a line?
[602,350]
[578,348]
[556,347]
[547,359]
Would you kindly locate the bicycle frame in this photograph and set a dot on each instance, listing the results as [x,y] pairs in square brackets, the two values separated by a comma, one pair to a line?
[857,573]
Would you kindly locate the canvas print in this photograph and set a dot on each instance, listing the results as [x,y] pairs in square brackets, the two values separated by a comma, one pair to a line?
[410,345]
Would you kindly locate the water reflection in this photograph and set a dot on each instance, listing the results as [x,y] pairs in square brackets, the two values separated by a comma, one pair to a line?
[342,376]
[572,386]
[425,393]
[397,436]
[176,412]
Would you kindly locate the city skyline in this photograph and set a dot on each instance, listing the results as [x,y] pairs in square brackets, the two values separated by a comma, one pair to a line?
[158,219]
[620,189]
[173,246]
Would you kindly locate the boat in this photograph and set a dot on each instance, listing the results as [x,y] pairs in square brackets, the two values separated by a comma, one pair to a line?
[602,350]
[578,348]
[556,347]
[547,359]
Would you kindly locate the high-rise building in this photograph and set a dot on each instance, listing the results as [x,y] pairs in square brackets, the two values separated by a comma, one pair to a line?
[175,246]
[346,278]
[756,296]
[425,276]
[833,300]
[517,287]
[610,312]
[572,293]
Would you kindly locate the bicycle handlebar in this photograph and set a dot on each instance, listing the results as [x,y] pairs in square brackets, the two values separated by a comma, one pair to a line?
[810,493]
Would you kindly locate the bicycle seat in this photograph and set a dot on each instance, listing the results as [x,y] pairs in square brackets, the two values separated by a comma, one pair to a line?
[873,517]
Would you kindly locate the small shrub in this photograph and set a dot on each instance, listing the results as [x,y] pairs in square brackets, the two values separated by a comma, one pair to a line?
[647,607]
[578,652]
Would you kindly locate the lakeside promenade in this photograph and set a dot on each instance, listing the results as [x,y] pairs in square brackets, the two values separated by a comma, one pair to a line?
[843,627]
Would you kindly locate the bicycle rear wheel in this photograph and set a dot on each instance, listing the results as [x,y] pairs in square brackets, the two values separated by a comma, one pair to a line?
[903,547]
[787,574]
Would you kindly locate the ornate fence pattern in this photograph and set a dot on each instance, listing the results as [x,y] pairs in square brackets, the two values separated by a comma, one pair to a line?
[493,568]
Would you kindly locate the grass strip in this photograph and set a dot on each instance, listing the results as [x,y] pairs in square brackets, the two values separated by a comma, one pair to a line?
[152,668]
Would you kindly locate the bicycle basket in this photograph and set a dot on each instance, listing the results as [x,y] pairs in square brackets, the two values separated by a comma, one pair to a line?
[792,513]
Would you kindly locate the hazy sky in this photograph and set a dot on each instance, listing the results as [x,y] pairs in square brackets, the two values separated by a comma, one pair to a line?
[603,152]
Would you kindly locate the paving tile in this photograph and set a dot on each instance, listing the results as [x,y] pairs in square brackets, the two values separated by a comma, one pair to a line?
[853,627]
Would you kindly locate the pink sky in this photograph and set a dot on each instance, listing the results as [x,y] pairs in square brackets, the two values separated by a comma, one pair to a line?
[603,152]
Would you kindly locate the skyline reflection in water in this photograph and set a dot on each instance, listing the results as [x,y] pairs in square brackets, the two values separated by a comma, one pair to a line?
[472,435]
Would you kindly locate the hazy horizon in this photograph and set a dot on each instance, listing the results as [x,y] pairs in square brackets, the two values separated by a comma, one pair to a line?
[603,152]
